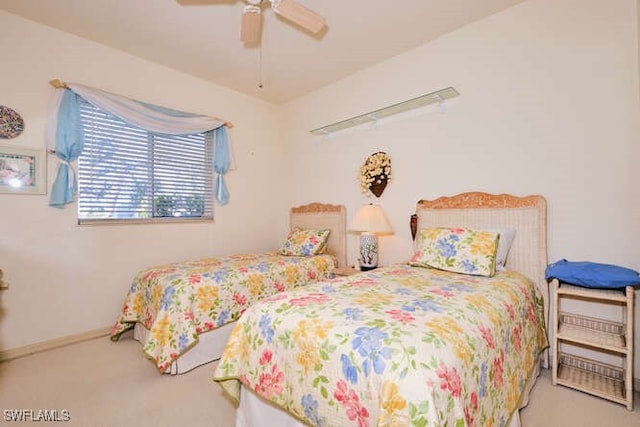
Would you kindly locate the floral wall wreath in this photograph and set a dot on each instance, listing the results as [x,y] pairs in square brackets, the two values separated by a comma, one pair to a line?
[375,173]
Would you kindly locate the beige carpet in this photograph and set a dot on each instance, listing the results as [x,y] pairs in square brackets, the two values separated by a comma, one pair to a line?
[101,383]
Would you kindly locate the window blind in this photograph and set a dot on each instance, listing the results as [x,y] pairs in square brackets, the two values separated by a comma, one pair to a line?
[126,173]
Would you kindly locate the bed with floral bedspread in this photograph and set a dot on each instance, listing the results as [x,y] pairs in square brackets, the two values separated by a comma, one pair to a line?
[178,302]
[400,345]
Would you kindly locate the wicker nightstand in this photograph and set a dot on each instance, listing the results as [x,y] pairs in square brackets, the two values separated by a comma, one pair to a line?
[591,376]
[345,271]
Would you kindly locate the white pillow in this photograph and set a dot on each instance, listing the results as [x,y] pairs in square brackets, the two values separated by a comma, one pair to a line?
[504,244]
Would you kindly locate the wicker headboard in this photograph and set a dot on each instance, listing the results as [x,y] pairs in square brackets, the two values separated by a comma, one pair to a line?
[527,215]
[320,215]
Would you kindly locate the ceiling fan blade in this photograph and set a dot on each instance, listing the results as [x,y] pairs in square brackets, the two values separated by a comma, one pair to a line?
[298,14]
[251,25]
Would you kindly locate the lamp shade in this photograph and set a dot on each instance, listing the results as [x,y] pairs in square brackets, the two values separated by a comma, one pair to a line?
[371,218]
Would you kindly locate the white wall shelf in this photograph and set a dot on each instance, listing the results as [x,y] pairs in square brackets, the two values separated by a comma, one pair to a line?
[438,96]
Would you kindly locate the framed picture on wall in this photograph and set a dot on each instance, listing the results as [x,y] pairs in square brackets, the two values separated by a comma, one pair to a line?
[22,171]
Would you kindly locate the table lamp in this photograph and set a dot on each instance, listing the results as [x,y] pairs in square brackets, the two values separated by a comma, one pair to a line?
[370,221]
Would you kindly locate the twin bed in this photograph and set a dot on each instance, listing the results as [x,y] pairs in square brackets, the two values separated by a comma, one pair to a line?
[406,344]
[183,313]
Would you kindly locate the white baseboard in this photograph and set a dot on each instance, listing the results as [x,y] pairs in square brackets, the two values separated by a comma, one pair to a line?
[51,344]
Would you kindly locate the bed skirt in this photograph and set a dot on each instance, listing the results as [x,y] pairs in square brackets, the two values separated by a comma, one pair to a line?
[253,410]
[208,349]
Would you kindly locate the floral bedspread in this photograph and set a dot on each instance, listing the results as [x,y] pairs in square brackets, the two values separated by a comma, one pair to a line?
[397,346]
[177,302]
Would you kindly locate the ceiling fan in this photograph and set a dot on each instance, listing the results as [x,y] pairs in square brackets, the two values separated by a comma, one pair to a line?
[288,9]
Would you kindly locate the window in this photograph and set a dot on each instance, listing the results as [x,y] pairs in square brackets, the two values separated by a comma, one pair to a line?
[128,174]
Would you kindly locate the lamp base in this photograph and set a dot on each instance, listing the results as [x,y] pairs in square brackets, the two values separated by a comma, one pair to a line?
[368,251]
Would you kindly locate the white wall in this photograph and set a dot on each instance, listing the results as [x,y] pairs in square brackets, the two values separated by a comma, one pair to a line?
[549,105]
[66,279]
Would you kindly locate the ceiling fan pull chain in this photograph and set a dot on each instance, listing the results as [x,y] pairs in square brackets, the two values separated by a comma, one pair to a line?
[260,85]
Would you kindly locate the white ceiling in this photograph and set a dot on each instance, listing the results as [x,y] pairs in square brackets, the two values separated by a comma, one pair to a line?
[202,37]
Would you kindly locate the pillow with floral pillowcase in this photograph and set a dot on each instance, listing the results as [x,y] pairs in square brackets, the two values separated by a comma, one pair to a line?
[303,242]
[459,250]
[505,241]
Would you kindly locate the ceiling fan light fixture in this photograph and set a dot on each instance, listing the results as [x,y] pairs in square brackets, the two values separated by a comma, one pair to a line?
[251,24]
[300,15]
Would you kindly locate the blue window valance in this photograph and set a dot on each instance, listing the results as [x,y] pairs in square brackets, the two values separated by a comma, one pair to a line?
[66,134]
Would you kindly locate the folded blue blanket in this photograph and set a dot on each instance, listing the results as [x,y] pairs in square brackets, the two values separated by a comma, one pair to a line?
[592,274]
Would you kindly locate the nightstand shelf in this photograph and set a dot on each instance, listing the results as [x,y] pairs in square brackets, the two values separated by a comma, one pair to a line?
[599,379]
[610,382]
[592,332]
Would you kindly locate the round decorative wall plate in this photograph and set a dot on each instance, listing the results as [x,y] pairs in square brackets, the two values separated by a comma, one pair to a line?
[11,124]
